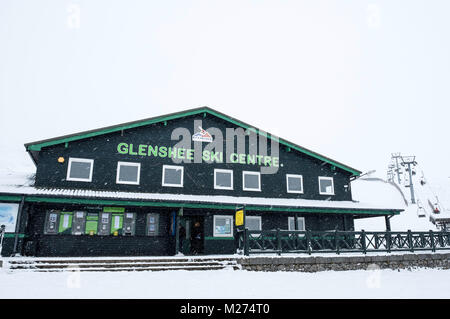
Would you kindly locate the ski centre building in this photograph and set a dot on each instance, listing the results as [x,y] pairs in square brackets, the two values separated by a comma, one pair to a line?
[143,188]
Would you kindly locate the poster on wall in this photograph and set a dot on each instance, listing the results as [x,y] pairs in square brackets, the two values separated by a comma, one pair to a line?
[8,216]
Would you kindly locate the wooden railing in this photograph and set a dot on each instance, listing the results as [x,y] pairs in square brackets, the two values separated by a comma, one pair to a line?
[285,241]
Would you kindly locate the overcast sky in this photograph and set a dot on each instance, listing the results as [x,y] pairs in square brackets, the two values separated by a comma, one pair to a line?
[353,80]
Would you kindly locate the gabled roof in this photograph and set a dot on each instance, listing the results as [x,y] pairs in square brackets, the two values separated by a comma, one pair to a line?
[34,147]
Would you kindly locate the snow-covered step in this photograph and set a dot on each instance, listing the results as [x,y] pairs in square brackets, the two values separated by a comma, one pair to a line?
[114,260]
[122,264]
[115,265]
[97,269]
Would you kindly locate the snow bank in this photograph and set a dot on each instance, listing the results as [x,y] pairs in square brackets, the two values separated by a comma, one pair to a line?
[16,178]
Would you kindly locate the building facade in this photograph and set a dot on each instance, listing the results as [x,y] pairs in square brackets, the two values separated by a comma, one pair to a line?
[172,184]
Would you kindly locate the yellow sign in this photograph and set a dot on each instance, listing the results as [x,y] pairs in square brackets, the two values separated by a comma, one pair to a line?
[239,217]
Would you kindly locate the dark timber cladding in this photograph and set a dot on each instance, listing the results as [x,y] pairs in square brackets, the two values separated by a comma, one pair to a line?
[171,184]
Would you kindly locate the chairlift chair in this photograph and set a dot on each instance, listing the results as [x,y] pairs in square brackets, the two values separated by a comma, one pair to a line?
[421,212]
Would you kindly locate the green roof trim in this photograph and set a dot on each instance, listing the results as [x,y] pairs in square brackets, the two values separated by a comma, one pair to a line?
[219,238]
[13,235]
[232,207]
[37,146]
[10,198]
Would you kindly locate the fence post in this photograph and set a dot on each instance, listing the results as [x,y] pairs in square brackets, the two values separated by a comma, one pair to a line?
[336,241]
[308,241]
[363,241]
[278,241]
[433,245]
[246,243]
[388,241]
[410,241]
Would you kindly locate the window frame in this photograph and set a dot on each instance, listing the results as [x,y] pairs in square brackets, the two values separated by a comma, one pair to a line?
[293,218]
[259,218]
[148,232]
[164,174]
[251,173]
[332,185]
[231,226]
[82,160]
[287,183]
[219,170]
[138,165]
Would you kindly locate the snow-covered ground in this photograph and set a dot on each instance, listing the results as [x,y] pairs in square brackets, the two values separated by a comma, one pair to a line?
[420,283]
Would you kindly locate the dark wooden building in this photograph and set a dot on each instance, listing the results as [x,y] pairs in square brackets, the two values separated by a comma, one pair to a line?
[140,188]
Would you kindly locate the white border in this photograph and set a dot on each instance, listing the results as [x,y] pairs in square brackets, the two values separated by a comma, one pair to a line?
[255,217]
[251,173]
[292,218]
[82,160]
[287,183]
[332,184]
[217,170]
[231,226]
[138,165]
[172,167]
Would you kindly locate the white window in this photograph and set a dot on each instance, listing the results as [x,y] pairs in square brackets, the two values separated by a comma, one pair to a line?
[223,179]
[223,226]
[251,181]
[80,169]
[128,173]
[172,176]
[326,186]
[294,183]
[253,223]
[300,223]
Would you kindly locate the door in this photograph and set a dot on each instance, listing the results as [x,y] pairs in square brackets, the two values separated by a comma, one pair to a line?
[185,244]
[196,235]
[191,235]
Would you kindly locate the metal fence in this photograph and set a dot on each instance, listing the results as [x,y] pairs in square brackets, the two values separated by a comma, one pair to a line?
[286,241]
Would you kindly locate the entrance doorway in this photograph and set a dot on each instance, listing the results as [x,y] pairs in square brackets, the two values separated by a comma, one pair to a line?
[191,235]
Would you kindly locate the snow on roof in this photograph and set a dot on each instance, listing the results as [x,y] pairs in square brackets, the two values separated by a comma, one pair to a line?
[378,192]
[11,183]
[390,193]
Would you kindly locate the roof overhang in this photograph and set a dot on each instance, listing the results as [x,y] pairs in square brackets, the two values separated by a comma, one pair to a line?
[199,202]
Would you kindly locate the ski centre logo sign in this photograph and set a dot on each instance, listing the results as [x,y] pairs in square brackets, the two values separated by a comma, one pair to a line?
[202,136]
[162,151]
[240,146]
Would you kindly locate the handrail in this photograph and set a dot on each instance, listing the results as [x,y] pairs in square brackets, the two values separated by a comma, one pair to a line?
[297,241]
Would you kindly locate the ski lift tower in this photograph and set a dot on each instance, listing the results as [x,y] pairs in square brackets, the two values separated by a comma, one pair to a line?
[390,173]
[408,161]
[395,157]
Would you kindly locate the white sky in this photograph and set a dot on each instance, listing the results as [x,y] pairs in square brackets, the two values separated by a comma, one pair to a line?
[353,80]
